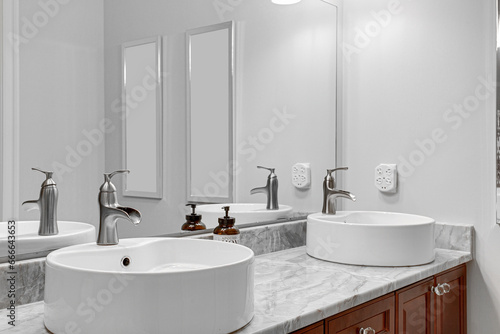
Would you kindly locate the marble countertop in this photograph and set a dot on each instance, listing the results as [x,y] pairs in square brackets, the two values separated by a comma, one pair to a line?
[294,290]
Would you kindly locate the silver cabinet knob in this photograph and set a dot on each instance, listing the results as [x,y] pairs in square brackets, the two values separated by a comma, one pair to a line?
[446,287]
[367,330]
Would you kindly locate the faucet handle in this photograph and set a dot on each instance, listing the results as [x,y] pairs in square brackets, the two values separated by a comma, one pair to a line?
[330,171]
[47,174]
[108,176]
[271,170]
[329,176]
[107,186]
[48,177]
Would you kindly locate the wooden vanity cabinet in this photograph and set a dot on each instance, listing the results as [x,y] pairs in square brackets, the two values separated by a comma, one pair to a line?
[316,328]
[451,307]
[377,315]
[415,306]
[436,305]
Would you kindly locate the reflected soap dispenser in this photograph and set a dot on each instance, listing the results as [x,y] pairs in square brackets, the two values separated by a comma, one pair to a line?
[226,231]
[193,221]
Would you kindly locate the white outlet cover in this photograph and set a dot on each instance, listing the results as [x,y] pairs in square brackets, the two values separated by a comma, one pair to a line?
[301,175]
[386,178]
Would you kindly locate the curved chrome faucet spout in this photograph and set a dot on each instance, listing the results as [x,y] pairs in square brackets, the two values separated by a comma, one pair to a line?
[108,233]
[258,190]
[329,206]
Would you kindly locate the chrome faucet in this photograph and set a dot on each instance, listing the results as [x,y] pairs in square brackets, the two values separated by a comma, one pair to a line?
[47,204]
[271,190]
[330,193]
[110,211]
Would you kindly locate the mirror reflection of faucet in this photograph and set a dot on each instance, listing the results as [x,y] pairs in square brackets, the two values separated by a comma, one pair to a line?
[110,211]
[270,189]
[47,204]
[330,193]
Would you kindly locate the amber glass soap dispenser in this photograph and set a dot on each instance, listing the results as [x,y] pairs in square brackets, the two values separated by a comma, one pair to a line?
[193,221]
[226,231]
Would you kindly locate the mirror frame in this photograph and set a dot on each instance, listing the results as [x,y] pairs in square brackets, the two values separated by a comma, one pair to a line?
[9,112]
[231,155]
[158,193]
[497,112]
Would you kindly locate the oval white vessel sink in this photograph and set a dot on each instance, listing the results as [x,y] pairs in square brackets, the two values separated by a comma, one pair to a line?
[243,212]
[169,286]
[28,241]
[371,238]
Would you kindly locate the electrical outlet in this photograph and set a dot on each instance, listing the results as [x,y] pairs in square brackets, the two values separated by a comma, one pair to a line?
[301,175]
[386,177]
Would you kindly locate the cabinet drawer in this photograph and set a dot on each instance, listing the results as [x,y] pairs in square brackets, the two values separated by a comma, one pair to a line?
[316,328]
[377,314]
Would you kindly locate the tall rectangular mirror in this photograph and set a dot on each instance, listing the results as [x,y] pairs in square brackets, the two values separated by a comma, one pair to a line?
[142,117]
[210,102]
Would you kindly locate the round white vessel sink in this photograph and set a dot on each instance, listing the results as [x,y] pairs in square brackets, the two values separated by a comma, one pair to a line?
[28,241]
[371,238]
[150,285]
[243,212]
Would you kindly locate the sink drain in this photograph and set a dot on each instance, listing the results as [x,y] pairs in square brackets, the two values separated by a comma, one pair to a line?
[125,261]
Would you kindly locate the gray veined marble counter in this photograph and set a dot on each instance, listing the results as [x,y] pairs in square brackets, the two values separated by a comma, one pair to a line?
[293,290]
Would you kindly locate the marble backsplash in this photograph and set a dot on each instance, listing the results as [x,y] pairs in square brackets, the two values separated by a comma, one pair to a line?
[271,238]
[29,281]
[454,237]
[30,278]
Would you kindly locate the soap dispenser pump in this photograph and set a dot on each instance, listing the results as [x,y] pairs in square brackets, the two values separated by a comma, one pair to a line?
[47,204]
[226,231]
[193,221]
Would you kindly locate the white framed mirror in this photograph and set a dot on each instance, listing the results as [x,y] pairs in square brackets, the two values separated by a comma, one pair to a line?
[210,149]
[142,118]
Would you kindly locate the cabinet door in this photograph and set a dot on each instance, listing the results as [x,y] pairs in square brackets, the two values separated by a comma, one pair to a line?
[377,315]
[414,308]
[450,311]
[316,328]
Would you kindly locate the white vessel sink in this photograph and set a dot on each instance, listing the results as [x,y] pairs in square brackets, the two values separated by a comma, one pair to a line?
[170,286]
[371,238]
[29,242]
[243,212]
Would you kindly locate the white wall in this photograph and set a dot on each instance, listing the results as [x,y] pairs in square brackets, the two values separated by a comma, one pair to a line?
[61,97]
[280,56]
[401,83]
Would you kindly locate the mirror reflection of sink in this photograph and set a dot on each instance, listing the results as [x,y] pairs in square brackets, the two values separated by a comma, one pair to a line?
[371,238]
[243,212]
[150,285]
[29,242]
